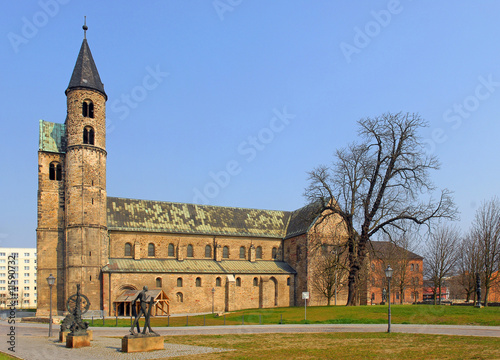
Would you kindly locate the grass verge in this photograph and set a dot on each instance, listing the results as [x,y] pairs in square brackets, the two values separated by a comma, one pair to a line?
[401,314]
[350,346]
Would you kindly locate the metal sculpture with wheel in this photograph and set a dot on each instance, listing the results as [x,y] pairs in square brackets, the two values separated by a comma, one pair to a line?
[77,305]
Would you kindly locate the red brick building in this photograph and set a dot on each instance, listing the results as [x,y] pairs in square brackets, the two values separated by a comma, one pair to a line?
[407,278]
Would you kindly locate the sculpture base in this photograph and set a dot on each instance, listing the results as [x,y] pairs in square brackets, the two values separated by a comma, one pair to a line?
[139,343]
[77,341]
[64,334]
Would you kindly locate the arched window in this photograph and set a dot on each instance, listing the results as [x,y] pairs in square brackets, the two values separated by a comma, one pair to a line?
[128,249]
[274,253]
[151,249]
[238,281]
[299,251]
[179,282]
[179,297]
[255,281]
[88,109]
[208,251]
[242,252]
[198,282]
[190,250]
[417,267]
[217,281]
[158,282]
[55,171]
[225,252]
[171,251]
[88,135]
[288,281]
[258,252]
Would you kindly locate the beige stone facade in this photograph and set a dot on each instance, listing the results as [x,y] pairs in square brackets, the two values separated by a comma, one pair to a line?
[200,256]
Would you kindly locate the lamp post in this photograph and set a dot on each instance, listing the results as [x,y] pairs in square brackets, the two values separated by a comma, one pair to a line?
[213,295]
[51,281]
[388,275]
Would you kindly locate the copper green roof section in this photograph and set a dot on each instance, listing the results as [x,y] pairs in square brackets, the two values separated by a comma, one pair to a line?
[52,137]
[168,217]
[197,266]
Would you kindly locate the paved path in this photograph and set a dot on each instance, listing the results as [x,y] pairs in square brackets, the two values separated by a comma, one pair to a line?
[32,342]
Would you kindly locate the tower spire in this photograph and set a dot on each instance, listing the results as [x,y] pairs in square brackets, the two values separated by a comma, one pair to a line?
[85,27]
[85,74]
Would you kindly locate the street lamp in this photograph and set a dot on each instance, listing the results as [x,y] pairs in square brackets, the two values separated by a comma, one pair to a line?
[388,275]
[51,280]
[213,295]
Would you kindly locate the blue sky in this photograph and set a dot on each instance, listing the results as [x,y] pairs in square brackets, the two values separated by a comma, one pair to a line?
[231,102]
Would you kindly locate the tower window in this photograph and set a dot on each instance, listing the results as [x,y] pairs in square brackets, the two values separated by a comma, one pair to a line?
[88,109]
[88,135]
[55,171]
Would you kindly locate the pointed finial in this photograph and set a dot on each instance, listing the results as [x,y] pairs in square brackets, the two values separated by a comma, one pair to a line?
[85,27]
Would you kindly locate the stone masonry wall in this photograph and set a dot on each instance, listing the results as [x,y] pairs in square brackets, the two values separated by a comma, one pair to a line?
[50,232]
[190,298]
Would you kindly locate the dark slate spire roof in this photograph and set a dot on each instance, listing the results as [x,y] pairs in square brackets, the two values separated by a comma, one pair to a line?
[85,73]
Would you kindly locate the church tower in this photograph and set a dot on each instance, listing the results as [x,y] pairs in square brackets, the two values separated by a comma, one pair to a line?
[86,236]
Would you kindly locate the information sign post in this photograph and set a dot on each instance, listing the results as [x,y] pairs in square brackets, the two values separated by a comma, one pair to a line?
[305,296]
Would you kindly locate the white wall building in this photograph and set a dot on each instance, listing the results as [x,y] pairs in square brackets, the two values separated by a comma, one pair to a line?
[22,270]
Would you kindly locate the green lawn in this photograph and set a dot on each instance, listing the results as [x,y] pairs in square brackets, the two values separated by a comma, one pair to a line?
[401,314]
[352,346]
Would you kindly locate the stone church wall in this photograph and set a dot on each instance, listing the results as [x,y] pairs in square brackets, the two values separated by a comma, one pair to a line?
[269,291]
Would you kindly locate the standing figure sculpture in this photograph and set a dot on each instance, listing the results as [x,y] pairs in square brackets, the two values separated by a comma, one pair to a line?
[478,290]
[144,309]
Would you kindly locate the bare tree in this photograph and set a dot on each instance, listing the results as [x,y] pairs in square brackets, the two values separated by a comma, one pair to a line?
[378,183]
[486,233]
[467,265]
[441,256]
[331,271]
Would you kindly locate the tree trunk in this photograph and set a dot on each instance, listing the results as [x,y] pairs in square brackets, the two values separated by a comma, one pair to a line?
[351,296]
[439,293]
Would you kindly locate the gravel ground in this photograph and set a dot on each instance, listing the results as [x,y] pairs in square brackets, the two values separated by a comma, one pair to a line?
[106,348]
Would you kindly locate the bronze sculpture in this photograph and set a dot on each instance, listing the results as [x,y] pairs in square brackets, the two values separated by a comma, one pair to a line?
[77,305]
[145,308]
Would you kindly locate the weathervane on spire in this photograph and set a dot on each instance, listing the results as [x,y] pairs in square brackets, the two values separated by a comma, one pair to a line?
[85,27]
